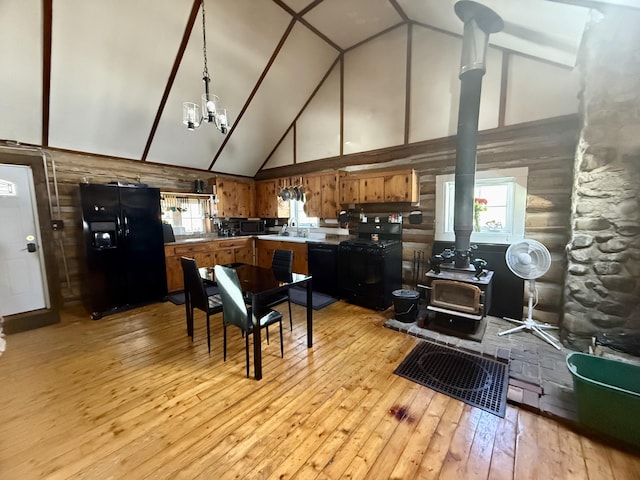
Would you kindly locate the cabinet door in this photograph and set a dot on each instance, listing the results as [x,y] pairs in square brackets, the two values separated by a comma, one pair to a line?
[300,257]
[313,196]
[329,189]
[349,190]
[243,255]
[266,199]
[264,252]
[235,199]
[371,189]
[224,256]
[174,273]
[401,188]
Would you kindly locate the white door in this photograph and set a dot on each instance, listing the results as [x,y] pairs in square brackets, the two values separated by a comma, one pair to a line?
[22,285]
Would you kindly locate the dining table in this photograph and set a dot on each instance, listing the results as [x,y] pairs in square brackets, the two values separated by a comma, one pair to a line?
[258,283]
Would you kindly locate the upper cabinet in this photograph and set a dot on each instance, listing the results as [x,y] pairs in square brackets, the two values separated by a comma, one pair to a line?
[235,197]
[349,190]
[402,187]
[321,195]
[268,203]
[372,190]
[378,187]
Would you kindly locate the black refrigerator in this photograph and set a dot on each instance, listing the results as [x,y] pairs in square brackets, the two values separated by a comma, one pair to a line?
[123,236]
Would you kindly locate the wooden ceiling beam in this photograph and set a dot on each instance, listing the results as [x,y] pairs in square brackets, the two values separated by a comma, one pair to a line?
[47,21]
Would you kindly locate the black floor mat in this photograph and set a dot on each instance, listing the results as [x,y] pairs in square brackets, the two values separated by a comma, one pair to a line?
[318,300]
[475,380]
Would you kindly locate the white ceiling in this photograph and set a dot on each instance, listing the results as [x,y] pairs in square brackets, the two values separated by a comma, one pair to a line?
[111,63]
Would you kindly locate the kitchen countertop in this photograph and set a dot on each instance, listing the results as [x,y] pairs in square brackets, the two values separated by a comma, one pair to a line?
[333,239]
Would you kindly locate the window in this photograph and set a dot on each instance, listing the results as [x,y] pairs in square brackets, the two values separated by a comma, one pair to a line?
[499,209]
[185,214]
[298,218]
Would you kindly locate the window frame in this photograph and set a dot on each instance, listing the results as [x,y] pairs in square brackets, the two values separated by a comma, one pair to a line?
[516,211]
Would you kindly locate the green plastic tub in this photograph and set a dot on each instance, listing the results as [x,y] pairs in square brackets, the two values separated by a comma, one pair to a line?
[608,395]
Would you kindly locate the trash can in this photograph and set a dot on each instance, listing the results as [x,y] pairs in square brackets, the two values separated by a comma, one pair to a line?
[405,304]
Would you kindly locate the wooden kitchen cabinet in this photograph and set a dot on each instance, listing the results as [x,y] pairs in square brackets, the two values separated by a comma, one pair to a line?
[268,202]
[396,186]
[266,199]
[349,190]
[206,254]
[402,187]
[371,190]
[321,192]
[235,198]
[313,196]
[265,248]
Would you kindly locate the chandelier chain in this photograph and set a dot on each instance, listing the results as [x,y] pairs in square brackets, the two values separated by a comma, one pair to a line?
[205,72]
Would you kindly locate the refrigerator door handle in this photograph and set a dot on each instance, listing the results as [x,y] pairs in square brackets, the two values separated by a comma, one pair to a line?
[119,226]
[126,225]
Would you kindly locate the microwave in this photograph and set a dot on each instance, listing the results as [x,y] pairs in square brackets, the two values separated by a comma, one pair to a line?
[252,227]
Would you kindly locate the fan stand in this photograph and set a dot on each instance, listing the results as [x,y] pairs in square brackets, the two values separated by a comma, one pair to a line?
[530,324]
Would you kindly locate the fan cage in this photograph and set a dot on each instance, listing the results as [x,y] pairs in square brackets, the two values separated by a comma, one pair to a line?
[537,252]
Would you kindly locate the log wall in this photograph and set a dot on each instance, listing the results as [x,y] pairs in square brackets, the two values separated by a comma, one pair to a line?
[546,147]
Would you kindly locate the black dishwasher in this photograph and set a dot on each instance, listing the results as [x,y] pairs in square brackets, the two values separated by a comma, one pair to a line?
[323,267]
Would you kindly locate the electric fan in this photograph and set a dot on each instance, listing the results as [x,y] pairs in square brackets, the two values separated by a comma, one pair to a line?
[529,259]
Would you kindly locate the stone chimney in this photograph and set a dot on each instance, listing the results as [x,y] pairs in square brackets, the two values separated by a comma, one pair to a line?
[602,288]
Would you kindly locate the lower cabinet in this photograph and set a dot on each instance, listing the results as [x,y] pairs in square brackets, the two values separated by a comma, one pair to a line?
[206,254]
[265,248]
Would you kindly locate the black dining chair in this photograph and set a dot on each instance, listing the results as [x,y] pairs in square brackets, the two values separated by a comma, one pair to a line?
[282,265]
[196,296]
[235,311]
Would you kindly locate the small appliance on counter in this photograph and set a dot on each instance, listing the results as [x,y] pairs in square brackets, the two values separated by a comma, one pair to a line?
[252,227]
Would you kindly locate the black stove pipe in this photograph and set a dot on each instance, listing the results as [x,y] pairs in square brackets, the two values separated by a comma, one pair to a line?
[479,22]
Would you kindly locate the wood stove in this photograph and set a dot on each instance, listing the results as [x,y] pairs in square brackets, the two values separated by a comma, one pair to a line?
[457,299]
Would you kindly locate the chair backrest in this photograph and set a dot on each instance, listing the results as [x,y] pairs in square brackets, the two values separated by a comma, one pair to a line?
[193,284]
[234,310]
[282,261]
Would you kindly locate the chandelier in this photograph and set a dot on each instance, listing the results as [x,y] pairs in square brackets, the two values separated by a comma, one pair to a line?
[211,111]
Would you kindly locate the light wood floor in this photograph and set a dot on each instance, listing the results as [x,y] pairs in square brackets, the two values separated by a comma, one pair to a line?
[130,396]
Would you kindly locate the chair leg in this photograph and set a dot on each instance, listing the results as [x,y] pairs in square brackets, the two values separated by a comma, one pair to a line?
[246,352]
[224,341]
[281,344]
[267,329]
[290,318]
[208,334]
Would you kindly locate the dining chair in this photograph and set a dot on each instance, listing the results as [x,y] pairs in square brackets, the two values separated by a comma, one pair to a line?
[196,296]
[235,311]
[282,266]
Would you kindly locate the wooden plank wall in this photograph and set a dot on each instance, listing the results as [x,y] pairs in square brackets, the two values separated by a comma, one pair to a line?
[546,147]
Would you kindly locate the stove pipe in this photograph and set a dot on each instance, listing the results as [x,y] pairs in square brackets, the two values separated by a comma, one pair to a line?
[479,22]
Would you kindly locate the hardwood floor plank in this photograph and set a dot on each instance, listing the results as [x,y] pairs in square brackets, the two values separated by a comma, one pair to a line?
[131,396]
[479,461]
[455,462]
[503,454]
[436,453]
[408,463]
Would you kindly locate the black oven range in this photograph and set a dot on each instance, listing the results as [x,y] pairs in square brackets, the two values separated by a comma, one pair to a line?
[370,267]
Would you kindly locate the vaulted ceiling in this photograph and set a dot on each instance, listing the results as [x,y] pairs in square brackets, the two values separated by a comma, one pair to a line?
[109,77]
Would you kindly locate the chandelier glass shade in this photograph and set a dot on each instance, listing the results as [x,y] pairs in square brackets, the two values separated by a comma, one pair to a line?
[211,111]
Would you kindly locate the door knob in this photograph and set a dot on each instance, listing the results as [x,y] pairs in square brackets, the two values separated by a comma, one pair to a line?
[31,247]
